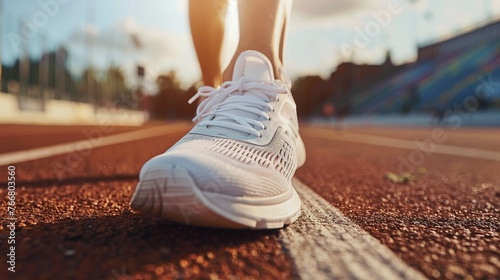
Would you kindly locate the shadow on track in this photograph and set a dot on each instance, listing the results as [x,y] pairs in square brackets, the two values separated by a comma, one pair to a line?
[119,247]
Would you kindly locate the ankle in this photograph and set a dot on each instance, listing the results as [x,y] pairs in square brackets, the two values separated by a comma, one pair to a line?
[213,81]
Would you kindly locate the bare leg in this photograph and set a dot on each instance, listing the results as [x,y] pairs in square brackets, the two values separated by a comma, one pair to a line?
[288,11]
[206,18]
[262,28]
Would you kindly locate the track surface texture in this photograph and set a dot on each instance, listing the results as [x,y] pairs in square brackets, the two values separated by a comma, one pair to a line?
[74,221]
[444,222]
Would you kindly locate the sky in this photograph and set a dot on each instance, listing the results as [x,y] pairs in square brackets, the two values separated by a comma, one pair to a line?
[322,33]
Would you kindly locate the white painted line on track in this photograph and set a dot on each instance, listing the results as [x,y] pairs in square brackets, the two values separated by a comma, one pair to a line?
[347,136]
[59,149]
[324,244]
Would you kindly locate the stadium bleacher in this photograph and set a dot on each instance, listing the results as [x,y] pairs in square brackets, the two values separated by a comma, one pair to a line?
[440,82]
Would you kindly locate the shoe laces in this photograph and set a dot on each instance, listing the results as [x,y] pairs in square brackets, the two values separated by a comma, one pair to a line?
[238,105]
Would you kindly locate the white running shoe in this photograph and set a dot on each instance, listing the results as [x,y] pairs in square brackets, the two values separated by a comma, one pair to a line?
[234,168]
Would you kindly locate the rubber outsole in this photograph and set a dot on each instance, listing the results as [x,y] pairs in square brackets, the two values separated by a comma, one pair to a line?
[170,192]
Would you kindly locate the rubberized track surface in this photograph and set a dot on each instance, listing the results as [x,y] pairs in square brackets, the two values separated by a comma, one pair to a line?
[74,221]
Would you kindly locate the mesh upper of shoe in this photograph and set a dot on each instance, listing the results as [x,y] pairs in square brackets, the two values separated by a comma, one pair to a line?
[232,167]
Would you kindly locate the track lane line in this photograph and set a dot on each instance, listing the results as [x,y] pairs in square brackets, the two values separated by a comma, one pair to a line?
[324,244]
[64,148]
[444,149]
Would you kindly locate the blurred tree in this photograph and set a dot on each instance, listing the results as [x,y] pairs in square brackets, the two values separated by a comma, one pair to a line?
[114,89]
[171,100]
[43,73]
[89,86]
[167,99]
[308,92]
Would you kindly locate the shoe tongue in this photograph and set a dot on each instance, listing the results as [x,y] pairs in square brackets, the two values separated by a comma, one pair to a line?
[254,67]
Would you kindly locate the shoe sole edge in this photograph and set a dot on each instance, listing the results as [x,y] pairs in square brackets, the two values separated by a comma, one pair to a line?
[171,193]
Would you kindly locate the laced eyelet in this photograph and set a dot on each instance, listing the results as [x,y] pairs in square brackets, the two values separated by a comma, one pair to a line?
[260,135]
